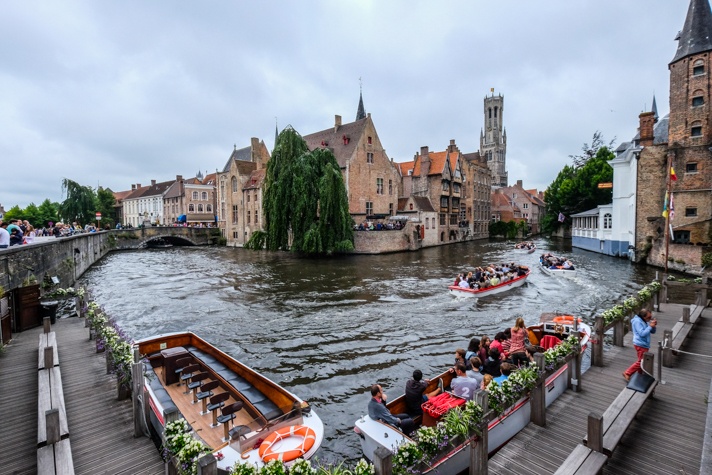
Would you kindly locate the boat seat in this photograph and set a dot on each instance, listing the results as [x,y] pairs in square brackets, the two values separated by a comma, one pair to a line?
[206,358]
[216,402]
[239,383]
[187,374]
[182,363]
[228,416]
[195,383]
[162,396]
[239,431]
[206,391]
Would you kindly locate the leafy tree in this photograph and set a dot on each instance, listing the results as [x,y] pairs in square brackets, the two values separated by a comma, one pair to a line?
[31,214]
[13,213]
[105,205]
[47,212]
[79,204]
[305,195]
[590,151]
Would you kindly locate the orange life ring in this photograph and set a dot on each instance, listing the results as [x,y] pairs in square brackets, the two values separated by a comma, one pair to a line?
[565,319]
[307,433]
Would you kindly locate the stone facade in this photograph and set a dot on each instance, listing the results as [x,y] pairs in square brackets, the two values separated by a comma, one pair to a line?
[493,139]
[477,188]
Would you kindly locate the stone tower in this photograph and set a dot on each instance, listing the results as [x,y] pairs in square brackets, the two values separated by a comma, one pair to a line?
[493,139]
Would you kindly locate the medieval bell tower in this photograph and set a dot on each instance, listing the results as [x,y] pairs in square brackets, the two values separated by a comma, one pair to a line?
[493,139]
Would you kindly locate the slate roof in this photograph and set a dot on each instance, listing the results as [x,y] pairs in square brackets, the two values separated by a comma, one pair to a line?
[153,190]
[255,180]
[660,132]
[243,154]
[696,35]
[173,191]
[333,139]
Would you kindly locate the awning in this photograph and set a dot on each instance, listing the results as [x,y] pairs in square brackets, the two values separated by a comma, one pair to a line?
[181,218]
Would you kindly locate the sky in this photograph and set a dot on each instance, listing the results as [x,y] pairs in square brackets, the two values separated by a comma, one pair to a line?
[115,93]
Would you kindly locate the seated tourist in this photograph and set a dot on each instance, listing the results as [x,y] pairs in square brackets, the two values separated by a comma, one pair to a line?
[462,386]
[497,343]
[472,349]
[464,284]
[506,369]
[378,411]
[492,363]
[486,380]
[415,394]
[474,371]
[495,280]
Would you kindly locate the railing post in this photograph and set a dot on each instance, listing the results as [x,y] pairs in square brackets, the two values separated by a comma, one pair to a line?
[538,394]
[52,425]
[648,362]
[479,451]
[383,461]
[49,357]
[207,465]
[137,391]
[47,324]
[618,332]
[597,342]
[594,441]
[686,314]
[667,349]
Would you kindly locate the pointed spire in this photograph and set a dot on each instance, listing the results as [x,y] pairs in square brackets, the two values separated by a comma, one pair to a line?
[696,35]
[276,131]
[361,113]
[655,108]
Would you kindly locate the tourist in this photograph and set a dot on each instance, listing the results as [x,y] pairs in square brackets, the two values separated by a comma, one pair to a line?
[473,349]
[484,347]
[492,363]
[4,236]
[517,347]
[505,370]
[463,386]
[415,394]
[497,343]
[378,411]
[475,369]
[643,325]
[30,234]
[464,284]
[486,380]
[459,358]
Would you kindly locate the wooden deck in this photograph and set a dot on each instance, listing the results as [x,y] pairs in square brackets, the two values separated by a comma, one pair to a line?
[667,436]
[101,428]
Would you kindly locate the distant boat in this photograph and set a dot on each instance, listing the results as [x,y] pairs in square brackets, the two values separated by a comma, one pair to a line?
[527,246]
[518,281]
[557,266]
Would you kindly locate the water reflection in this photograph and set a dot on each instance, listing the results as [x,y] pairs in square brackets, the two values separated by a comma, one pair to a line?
[328,329]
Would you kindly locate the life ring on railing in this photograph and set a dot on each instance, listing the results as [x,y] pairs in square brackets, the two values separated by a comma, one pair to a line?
[307,433]
[565,319]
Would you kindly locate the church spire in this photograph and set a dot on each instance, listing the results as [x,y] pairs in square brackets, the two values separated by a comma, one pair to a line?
[361,113]
[654,109]
[696,35]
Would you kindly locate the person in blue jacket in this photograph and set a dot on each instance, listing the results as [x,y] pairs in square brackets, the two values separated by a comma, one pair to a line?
[643,325]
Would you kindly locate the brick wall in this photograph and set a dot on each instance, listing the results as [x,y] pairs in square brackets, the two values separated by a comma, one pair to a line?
[650,195]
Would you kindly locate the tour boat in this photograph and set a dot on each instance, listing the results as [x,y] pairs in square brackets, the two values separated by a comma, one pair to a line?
[375,434]
[558,270]
[525,246]
[233,409]
[495,289]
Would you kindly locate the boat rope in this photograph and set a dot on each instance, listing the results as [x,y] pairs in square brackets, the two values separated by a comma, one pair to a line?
[144,425]
[665,347]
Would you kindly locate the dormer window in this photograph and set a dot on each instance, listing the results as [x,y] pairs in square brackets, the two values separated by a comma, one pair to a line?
[698,68]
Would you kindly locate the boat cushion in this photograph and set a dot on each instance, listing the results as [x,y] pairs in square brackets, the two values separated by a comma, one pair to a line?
[161,394]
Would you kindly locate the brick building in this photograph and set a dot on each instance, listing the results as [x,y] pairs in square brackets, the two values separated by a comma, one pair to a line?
[528,203]
[239,192]
[687,150]
[191,201]
[493,139]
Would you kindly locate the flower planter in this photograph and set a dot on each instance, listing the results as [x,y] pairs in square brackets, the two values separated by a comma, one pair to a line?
[99,346]
[123,391]
[110,364]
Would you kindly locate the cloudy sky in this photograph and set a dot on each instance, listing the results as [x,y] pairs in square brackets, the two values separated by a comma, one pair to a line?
[115,93]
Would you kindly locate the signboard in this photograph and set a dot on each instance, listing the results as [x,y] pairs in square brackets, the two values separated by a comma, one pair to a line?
[605,185]
[98,216]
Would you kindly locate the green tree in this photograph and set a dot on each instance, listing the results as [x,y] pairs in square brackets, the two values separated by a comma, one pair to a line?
[13,213]
[48,212]
[305,195]
[31,213]
[105,205]
[79,204]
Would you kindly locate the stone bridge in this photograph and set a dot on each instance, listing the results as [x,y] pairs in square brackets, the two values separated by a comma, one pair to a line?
[69,257]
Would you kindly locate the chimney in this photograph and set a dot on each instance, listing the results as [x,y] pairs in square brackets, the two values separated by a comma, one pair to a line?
[424,151]
[138,185]
[254,144]
[337,122]
[647,122]
[451,148]
[153,182]
[519,184]
[133,187]
[179,177]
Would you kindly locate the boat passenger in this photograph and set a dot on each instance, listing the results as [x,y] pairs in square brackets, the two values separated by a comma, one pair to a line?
[459,358]
[497,343]
[463,386]
[506,369]
[506,342]
[491,364]
[464,284]
[495,280]
[486,380]
[472,349]
[415,394]
[484,347]
[378,411]
[474,371]
[517,349]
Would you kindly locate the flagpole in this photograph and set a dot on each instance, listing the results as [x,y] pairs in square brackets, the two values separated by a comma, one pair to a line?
[667,216]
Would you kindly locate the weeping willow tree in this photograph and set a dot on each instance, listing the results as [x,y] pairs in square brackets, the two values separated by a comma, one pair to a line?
[305,196]
[80,202]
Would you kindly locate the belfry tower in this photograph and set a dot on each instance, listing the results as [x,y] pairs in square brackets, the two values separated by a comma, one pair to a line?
[493,139]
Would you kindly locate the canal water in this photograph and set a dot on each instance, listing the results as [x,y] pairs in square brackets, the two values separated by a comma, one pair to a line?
[326,329]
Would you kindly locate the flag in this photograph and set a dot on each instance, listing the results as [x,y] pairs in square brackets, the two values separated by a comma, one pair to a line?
[673,177]
[562,218]
[665,205]
[672,207]
[491,89]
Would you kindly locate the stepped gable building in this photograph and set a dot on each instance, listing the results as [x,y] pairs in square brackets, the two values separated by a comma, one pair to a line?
[503,208]
[191,201]
[478,189]
[687,149]
[372,180]
[493,139]
[529,205]
[239,192]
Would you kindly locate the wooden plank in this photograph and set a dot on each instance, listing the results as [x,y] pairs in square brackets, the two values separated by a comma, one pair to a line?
[44,404]
[52,341]
[58,400]
[45,460]
[679,338]
[612,412]
[582,461]
[42,346]
[63,458]
[615,432]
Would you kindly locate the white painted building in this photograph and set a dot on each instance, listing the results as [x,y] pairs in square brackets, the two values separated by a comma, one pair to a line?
[145,204]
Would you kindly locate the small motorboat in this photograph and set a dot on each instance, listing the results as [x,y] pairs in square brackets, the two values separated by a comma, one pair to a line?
[553,328]
[232,408]
[517,281]
[557,266]
[525,246]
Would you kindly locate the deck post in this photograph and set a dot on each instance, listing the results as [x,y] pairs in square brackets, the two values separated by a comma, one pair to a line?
[663,290]
[52,424]
[207,465]
[383,461]
[538,394]
[667,350]
[47,324]
[597,342]
[656,301]
[618,332]
[48,357]
[594,440]
[648,361]
[137,391]
[686,314]
[479,451]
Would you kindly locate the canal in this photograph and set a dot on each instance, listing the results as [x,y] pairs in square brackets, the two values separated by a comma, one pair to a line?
[326,329]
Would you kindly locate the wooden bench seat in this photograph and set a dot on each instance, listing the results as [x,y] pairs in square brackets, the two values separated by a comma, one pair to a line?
[55,459]
[582,461]
[620,415]
[47,340]
[682,329]
[50,396]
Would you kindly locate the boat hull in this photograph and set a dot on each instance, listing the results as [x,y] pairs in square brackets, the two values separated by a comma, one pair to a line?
[497,289]
[569,273]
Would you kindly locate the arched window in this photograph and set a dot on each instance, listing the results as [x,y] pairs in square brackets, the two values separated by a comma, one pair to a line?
[698,68]
[696,129]
[204,196]
[191,208]
[607,221]
[234,184]
[200,208]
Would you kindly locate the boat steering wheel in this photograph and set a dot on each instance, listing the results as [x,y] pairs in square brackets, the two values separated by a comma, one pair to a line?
[558,328]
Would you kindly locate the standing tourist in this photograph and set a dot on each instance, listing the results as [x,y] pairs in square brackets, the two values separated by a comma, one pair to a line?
[4,236]
[643,325]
